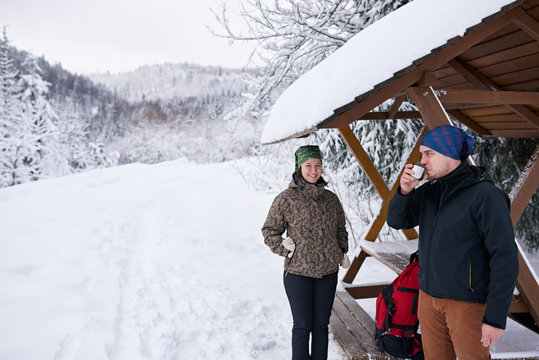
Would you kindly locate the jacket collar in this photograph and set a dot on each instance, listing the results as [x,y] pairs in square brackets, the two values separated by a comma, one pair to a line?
[463,176]
[311,190]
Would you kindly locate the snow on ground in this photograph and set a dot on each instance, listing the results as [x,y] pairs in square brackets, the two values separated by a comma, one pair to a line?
[158,261]
[140,262]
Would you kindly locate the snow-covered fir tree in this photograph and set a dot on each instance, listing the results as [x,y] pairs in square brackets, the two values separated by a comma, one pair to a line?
[18,154]
[42,120]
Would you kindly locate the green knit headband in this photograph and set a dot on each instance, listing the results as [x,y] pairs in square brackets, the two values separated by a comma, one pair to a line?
[304,153]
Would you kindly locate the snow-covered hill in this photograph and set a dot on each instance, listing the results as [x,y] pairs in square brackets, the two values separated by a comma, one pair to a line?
[168,81]
[159,261]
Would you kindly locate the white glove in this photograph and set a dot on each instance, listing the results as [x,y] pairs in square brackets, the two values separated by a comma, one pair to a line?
[345,262]
[289,245]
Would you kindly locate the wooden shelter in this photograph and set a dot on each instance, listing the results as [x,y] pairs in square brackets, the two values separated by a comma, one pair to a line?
[487,78]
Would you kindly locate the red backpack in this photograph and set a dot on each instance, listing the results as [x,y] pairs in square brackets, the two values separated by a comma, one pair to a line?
[396,315]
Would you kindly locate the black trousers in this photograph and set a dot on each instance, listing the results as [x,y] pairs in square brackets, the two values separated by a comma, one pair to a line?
[311,300]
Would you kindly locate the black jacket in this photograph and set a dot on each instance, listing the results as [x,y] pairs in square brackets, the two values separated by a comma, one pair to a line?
[467,247]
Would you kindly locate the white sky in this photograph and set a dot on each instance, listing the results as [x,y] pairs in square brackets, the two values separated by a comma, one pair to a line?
[119,35]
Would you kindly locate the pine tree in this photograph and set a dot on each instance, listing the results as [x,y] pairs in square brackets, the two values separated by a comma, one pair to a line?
[42,121]
[15,166]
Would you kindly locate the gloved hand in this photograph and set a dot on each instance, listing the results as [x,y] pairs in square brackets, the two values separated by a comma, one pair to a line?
[345,262]
[289,245]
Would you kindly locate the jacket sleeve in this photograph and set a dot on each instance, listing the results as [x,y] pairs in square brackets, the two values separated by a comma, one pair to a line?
[275,226]
[496,229]
[403,210]
[342,234]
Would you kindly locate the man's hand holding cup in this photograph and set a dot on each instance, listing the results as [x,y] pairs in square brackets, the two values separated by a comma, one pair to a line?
[411,177]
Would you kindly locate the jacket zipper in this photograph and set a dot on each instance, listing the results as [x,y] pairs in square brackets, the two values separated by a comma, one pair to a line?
[470,277]
[434,226]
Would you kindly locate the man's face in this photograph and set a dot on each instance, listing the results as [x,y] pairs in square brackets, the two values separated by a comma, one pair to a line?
[436,165]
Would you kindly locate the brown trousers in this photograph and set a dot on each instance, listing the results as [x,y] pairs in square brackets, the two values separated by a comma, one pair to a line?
[451,329]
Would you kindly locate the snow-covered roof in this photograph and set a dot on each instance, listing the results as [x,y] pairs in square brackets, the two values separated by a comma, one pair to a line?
[372,57]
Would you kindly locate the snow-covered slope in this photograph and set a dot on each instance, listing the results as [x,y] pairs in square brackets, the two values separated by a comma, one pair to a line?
[160,261]
[140,262]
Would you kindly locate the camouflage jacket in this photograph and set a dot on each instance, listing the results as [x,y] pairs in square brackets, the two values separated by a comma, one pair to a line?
[314,218]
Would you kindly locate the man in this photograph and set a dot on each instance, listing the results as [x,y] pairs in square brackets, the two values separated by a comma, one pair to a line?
[467,253]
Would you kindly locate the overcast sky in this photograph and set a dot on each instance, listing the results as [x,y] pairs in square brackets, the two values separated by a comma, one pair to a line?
[119,35]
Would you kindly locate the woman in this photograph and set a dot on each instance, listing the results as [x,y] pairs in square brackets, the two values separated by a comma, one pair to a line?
[316,243]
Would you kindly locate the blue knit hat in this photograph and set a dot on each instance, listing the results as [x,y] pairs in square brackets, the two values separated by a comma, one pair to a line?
[449,141]
[304,153]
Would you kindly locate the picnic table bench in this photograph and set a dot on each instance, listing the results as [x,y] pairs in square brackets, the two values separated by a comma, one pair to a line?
[351,326]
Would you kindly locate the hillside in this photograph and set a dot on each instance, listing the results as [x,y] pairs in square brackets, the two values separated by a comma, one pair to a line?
[169,81]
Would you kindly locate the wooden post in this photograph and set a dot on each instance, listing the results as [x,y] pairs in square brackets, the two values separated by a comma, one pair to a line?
[382,189]
[429,106]
[526,186]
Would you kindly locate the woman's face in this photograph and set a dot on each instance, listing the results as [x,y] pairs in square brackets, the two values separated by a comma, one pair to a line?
[311,170]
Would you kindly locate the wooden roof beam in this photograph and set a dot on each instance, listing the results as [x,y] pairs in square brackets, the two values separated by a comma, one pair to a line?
[386,115]
[469,122]
[396,105]
[429,106]
[378,182]
[487,97]
[482,82]
[528,24]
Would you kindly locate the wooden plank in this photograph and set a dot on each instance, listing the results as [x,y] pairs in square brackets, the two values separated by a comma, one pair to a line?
[348,343]
[359,330]
[525,187]
[365,291]
[527,85]
[487,96]
[516,77]
[486,111]
[512,53]
[528,287]
[377,181]
[518,305]
[386,115]
[395,255]
[520,125]
[507,118]
[482,82]
[354,267]
[530,4]
[353,329]
[365,162]
[396,105]
[443,72]
[528,24]
[507,37]
[472,124]
[515,133]
[378,224]
[526,114]
[361,315]
[524,62]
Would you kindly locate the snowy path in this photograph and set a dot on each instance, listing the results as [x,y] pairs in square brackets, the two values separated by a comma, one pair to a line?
[140,262]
